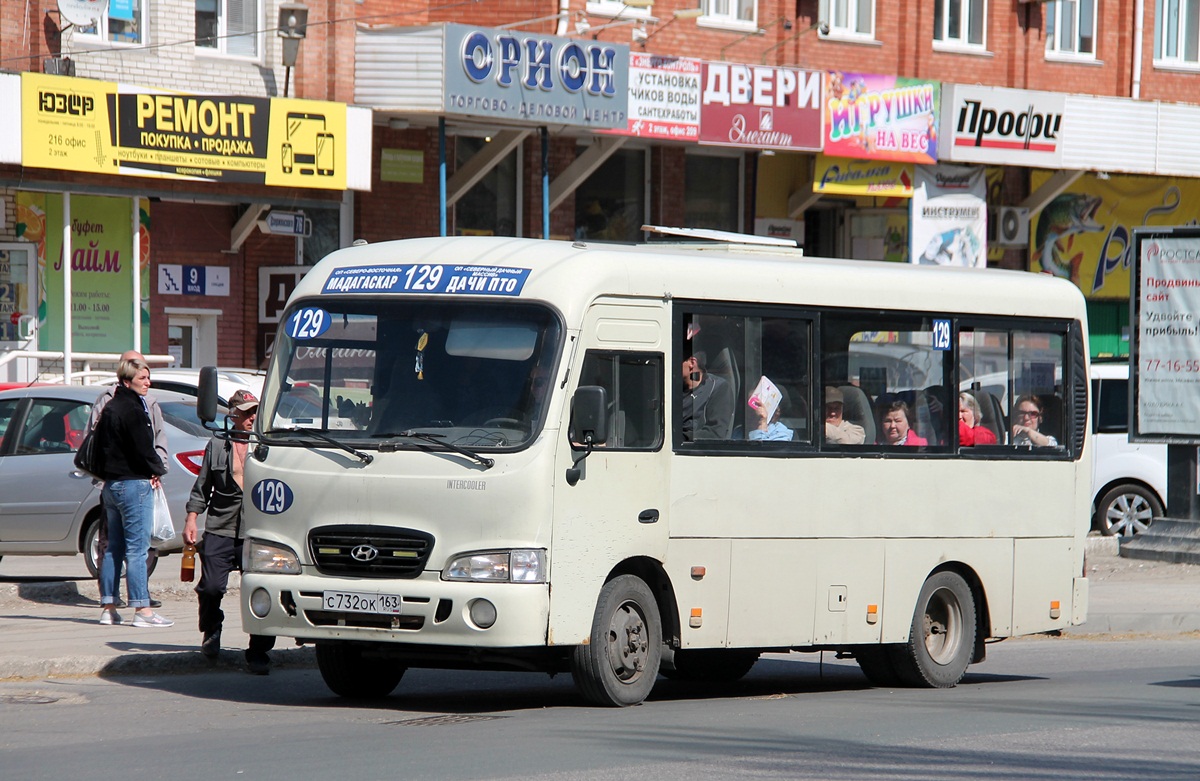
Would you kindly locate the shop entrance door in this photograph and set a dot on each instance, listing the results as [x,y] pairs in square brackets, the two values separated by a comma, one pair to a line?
[18,310]
[183,334]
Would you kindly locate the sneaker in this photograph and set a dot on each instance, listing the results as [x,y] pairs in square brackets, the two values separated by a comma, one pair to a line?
[258,665]
[109,617]
[152,620]
[211,645]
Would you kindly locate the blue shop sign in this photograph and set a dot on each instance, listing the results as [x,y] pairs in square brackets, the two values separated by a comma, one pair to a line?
[542,79]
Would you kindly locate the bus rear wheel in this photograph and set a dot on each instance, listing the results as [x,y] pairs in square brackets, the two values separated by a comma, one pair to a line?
[350,673]
[942,637]
[715,665]
[620,663]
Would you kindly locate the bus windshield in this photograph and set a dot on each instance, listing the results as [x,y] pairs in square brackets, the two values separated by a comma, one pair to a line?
[376,371]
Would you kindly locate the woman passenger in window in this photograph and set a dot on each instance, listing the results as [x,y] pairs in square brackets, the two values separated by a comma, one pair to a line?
[895,426]
[1027,415]
[970,417]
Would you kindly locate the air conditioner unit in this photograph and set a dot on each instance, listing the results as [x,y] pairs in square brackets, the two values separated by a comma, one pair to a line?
[1008,226]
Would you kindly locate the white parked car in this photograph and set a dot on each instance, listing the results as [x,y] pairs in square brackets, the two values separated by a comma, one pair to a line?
[228,381]
[1129,481]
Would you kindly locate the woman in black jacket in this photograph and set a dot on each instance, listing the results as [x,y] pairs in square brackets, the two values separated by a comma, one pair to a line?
[131,469]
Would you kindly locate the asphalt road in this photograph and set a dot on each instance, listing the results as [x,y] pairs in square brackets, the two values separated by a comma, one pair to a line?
[1060,708]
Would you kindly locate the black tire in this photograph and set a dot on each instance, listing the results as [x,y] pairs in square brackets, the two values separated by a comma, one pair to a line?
[350,674]
[90,535]
[876,663]
[942,637]
[1126,510]
[714,665]
[90,539]
[620,663]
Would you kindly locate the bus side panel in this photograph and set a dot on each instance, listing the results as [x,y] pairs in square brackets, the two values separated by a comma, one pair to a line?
[709,594]
[849,578]
[1045,575]
[770,601]
[909,563]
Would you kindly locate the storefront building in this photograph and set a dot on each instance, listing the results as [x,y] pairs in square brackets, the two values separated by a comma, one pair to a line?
[850,127]
[162,173]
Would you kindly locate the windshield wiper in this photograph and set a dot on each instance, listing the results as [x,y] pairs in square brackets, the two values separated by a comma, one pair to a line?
[365,457]
[436,439]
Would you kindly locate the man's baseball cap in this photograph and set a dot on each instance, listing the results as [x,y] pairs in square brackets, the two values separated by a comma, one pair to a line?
[243,400]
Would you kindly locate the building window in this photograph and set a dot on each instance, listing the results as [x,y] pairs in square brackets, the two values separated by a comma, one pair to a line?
[1071,28]
[124,23]
[229,26]
[1177,32]
[490,208]
[960,23]
[713,192]
[735,13]
[612,204]
[849,18]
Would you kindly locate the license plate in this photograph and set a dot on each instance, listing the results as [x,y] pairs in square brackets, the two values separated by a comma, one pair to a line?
[353,602]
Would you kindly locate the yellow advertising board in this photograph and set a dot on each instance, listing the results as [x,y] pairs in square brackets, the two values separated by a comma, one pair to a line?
[108,128]
[1085,234]
[847,176]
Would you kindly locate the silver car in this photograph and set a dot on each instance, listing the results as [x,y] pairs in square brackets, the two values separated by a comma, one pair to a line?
[50,508]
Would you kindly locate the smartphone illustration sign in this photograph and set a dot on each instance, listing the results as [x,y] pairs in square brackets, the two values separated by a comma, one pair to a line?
[308,148]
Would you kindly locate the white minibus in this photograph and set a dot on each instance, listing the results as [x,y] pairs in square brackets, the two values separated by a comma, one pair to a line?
[623,461]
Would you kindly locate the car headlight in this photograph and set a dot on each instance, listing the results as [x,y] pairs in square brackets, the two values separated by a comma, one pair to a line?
[510,566]
[263,556]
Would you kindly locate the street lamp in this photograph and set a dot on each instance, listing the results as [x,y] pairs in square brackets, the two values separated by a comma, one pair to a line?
[293,26]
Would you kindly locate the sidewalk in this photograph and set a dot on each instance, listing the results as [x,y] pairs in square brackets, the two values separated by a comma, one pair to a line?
[50,629]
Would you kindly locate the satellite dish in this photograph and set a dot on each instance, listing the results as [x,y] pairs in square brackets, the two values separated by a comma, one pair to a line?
[82,13]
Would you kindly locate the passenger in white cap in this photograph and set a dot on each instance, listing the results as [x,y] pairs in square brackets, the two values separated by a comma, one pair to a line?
[838,430]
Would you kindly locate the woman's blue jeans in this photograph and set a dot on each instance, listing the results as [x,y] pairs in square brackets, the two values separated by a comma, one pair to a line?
[130,507]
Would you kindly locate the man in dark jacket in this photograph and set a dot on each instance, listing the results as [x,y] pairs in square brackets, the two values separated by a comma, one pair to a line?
[218,489]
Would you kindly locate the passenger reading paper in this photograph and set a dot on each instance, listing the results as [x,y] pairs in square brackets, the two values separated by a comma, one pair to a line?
[767,403]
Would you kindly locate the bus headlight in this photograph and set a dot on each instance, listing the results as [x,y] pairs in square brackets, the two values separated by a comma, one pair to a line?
[514,566]
[263,556]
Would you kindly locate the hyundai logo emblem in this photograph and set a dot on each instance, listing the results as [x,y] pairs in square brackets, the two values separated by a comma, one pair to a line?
[364,553]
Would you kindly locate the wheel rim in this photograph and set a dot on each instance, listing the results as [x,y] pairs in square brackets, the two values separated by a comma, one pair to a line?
[943,626]
[628,650]
[1129,514]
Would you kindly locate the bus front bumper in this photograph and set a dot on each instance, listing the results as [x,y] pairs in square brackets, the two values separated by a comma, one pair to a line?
[424,611]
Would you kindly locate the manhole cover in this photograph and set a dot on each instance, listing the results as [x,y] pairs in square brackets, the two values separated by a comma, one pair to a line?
[438,721]
[27,699]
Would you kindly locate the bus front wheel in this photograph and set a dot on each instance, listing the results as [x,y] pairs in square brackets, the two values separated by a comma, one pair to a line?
[351,674]
[620,663]
[942,637]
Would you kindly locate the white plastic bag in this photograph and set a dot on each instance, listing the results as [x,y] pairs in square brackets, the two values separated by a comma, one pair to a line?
[163,529]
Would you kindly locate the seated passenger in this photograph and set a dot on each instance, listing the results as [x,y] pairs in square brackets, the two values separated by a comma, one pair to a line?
[708,401]
[838,430]
[895,426]
[1028,415]
[970,428]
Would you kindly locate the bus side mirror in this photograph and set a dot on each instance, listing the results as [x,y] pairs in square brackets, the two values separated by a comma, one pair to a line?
[206,395]
[589,416]
[589,425]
